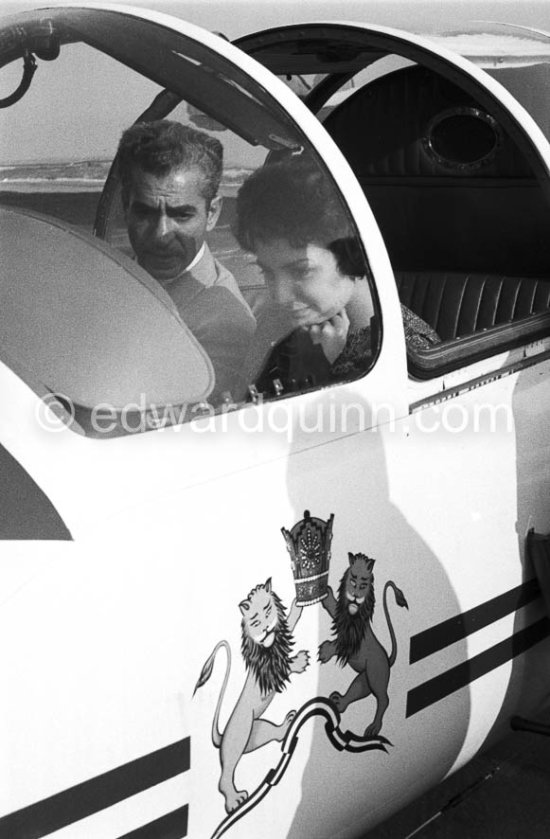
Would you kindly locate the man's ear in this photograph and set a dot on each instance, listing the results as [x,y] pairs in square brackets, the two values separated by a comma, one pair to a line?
[214,212]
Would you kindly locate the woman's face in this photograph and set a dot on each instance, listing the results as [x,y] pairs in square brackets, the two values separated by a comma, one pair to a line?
[304,280]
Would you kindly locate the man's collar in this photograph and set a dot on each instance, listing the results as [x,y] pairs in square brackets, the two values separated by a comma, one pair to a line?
[196,260]
[193,264]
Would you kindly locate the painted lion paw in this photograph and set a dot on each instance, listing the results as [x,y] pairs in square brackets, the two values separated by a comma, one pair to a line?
[235,799]
[336,699]
[300,661]
[285,725]
[373,729]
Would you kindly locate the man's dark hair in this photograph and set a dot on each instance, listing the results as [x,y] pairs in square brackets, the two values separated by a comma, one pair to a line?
[160,146]
[293,200]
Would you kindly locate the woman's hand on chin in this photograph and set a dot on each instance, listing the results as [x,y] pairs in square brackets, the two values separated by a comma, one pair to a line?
[332,335]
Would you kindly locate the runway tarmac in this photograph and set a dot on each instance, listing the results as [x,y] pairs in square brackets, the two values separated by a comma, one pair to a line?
[502,794]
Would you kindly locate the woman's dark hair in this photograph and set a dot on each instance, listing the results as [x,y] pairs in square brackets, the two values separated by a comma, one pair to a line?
[293,200]
[349,256]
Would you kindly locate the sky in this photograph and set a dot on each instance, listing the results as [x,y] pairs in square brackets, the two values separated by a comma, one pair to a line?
[42,127]
[238,17]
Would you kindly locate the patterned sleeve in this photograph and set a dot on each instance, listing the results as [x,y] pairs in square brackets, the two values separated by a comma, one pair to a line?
[355,358]
[419,335]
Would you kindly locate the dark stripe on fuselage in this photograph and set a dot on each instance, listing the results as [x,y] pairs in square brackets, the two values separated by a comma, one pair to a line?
[457,677]
[455,629]
[25,511]
[97,794]
[171,826]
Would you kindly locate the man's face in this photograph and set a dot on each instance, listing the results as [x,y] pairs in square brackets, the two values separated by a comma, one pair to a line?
[168,218]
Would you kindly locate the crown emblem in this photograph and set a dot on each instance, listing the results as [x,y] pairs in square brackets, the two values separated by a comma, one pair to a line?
[308,544]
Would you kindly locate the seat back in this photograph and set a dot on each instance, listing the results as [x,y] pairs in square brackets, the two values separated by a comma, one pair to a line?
[459,304]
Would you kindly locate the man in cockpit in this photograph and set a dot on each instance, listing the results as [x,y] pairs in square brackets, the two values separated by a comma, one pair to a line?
[170,175]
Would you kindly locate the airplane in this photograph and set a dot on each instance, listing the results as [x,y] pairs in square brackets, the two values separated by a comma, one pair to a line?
[157,547]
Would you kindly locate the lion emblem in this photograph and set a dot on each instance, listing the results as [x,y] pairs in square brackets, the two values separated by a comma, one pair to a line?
[266,647]
[355,642]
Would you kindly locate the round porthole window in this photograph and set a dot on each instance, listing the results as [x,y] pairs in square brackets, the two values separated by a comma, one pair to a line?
[462,138]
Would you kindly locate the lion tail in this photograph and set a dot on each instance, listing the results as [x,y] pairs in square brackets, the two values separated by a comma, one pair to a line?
[206,672]
[401,601]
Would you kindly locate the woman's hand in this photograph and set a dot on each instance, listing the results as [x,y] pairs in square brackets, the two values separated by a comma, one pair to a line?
[331,335]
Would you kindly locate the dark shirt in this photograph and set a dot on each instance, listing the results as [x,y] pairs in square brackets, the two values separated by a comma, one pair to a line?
[295,363]
[419,335]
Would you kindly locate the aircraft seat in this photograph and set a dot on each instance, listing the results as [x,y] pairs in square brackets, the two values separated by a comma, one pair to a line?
[458,304]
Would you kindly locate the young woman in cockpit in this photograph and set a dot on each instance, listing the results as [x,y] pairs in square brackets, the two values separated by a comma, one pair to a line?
[320,327]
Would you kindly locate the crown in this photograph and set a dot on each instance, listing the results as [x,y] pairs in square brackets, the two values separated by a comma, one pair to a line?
[308,544]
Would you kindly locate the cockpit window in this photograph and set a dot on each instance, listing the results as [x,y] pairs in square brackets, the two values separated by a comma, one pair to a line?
[214,206]
[458,188]
[165,57]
